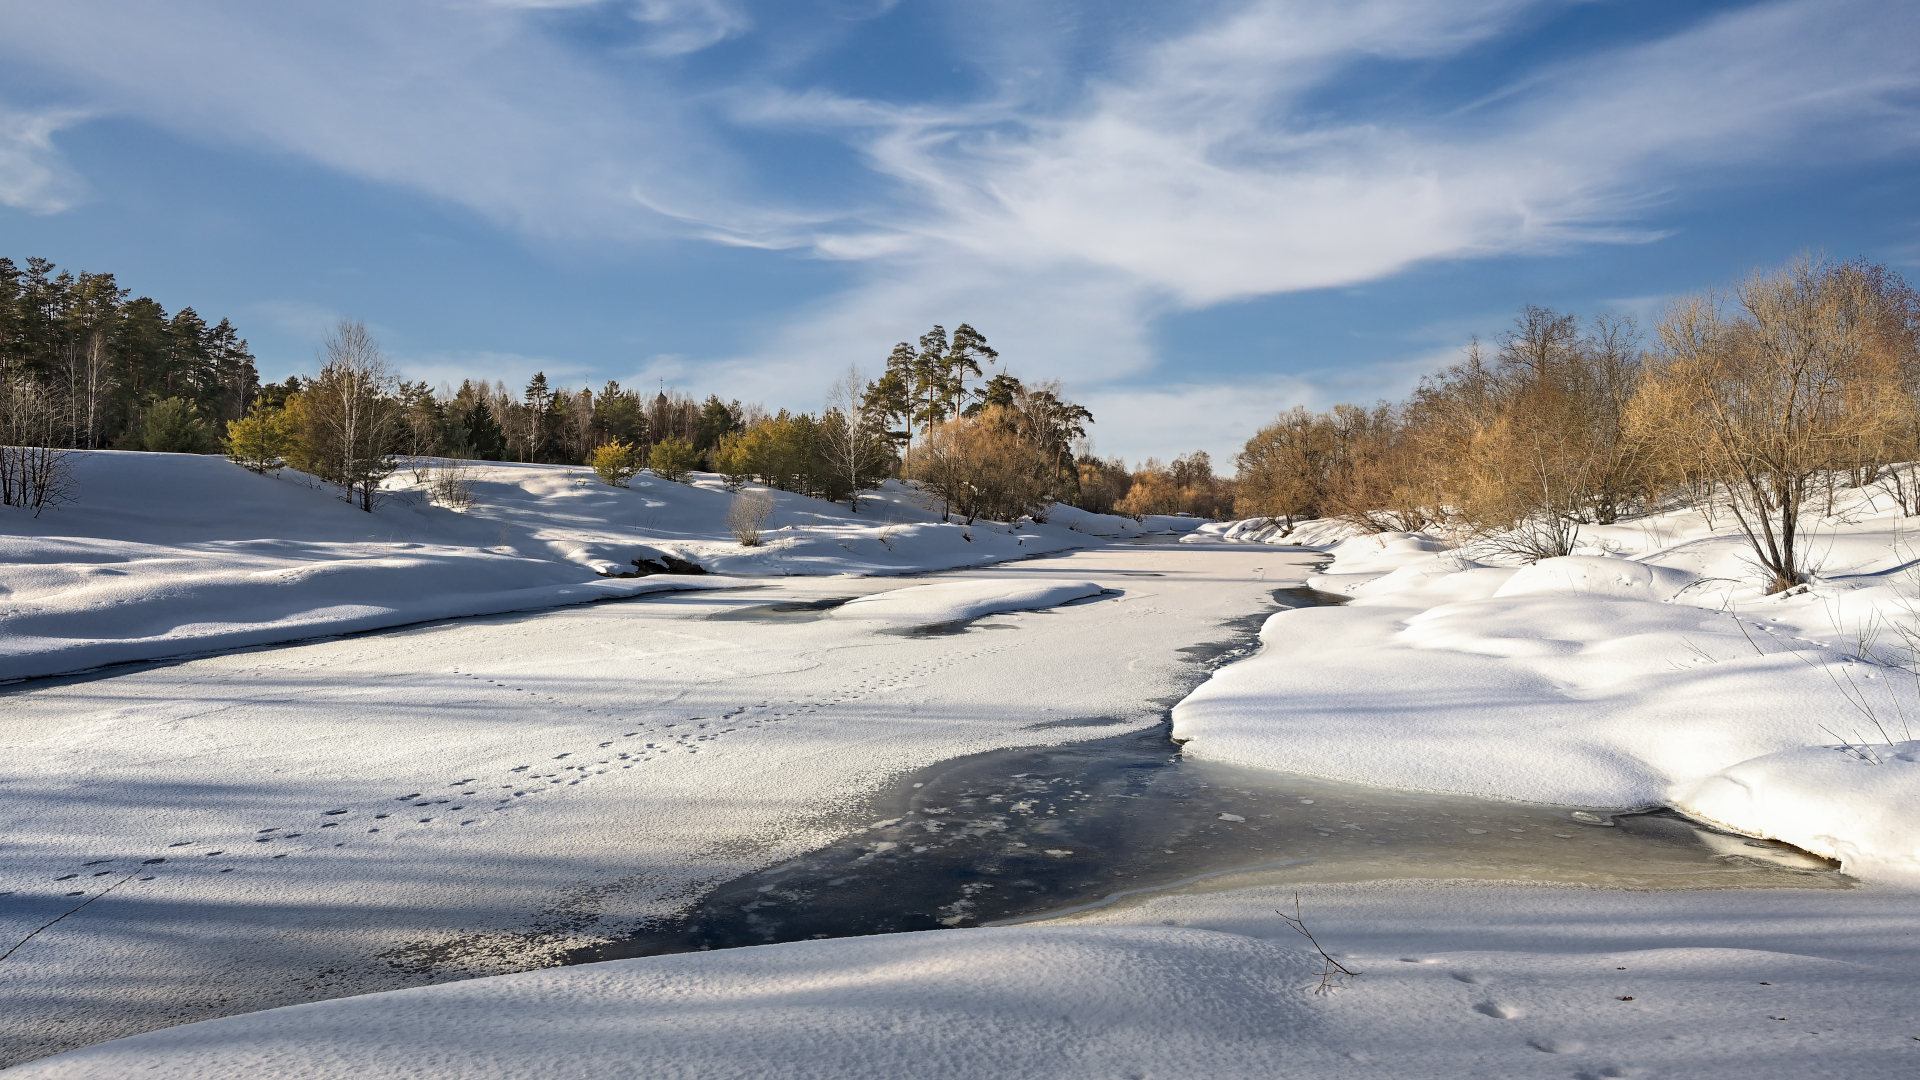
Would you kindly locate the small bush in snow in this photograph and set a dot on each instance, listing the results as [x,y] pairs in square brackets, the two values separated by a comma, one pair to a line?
[450,484]
[672,459]
[615,463]
[748,516]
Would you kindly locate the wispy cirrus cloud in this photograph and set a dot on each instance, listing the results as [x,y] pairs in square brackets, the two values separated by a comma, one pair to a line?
[1202,173]
[33,174]
[1067,204]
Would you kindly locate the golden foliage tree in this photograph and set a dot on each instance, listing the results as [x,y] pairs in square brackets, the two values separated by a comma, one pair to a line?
[1772,389]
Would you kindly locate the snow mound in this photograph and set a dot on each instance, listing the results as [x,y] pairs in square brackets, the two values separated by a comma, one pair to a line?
[1081,521]
[1592,575]
[1654,669]
[1315,532]
[1057,1004]
[1171,523]
[172,554]
[959,601]
[1855,805]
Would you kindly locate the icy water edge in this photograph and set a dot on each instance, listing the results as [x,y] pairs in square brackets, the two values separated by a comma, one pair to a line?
[1015,834]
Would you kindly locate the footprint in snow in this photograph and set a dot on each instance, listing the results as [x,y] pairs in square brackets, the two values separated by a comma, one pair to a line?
[1497,1010]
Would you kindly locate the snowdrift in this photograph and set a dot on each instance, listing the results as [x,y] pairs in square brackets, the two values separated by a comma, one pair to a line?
[1647,669]
[959,601]
[1457,982]
[170,554]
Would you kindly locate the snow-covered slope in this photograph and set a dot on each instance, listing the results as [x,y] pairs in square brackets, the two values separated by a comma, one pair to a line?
[166,554]
[1455,982]
[1644,671]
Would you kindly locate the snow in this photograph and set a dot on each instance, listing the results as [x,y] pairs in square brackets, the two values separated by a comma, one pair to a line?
[1649,670]
[960,601]
[170,554]
[344,826]
[1310,533]
[1854,805]
[620,760]
[1455,981]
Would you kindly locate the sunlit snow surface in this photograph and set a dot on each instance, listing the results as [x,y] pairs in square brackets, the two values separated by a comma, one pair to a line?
[172,554]
[544,783]
[1647,668]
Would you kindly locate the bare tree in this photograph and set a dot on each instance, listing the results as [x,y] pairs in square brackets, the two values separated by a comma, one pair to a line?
[34,473]
[853,436]
[1769,389]
[349,421]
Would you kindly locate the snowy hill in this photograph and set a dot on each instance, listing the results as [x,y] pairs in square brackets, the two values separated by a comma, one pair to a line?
[166,554]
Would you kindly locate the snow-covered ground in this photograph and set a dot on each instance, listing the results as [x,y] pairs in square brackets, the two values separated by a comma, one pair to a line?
[1648,669]
[170,554]
[477,796]
[611,762]
[1456,981]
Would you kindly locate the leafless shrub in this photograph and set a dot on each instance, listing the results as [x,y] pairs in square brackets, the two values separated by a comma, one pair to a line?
[1770,390]
[34,474]
[747,516]
[36,477]
[450,484]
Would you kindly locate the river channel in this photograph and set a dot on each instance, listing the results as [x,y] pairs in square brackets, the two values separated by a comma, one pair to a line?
[1016,834]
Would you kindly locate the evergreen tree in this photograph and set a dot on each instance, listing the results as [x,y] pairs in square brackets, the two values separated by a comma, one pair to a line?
[716,420]
[619,416]
[535,433]
[964,354]
[175,426]
[484,434]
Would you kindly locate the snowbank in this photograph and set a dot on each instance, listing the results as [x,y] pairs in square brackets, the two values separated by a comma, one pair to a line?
[976,1003]
[1456,981]
[958,601]
[167,554]
[1314,532]
[1171,523]
[1075,519]
[1851,804]
[1650,669]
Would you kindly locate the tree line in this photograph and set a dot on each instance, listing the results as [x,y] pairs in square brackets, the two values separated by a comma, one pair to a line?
[82,366]
[998,449]
[1759,402]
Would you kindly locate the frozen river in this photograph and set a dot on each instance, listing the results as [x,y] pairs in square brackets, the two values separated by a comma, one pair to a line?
[336,817]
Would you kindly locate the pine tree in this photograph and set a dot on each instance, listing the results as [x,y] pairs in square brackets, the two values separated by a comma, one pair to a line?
[260,440]
[484,434]
[533,435]
[964,354]
[716,420]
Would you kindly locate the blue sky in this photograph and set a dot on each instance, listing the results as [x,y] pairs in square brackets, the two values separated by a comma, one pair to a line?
[1195,214]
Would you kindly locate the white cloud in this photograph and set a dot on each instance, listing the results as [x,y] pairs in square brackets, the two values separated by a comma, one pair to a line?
[33,174]
[1200,174]
[1202,166]
[470,104]
[683,26]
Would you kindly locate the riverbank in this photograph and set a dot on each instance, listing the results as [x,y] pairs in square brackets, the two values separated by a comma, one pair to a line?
[166,555]
[568,776]
[1454,981]
[1647,669]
